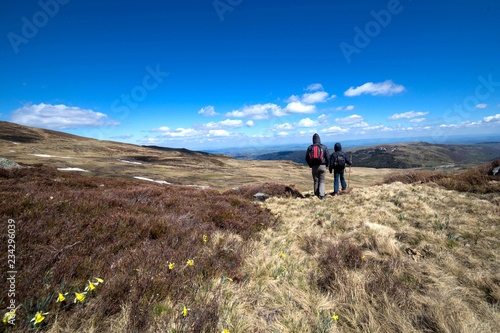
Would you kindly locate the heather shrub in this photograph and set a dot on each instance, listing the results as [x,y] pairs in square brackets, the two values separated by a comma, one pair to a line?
[71,228]
[273,189]
[475,180]
[335,261]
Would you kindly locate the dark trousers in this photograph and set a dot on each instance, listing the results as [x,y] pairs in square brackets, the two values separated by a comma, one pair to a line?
[336,181]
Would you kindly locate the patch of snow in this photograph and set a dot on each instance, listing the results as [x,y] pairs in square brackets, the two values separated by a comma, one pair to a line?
[129,161]
[199,186]
[45,155]
[13,151]
[72,169]
[16,143]
[167,183]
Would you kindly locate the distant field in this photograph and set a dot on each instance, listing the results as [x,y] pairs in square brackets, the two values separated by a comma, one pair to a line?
[177,166]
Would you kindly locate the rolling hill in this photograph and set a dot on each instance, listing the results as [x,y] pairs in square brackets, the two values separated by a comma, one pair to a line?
[407,155]
[29,146]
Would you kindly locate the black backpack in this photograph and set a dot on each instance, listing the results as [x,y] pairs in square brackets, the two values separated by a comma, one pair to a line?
[316,154]
[339,161]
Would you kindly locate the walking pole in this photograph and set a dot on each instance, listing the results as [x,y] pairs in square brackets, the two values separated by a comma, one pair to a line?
[349,181]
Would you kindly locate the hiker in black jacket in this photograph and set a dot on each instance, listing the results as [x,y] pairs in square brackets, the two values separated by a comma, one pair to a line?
[338,161]
[317,159]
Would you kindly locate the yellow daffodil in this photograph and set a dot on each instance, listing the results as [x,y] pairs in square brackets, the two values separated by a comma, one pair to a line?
[225,331]
[171,265]
[98,281]
[283,255]
[9,315]
[61,298]
[39,317]
[79,297]
[335,317]
[190,262]
[90,286]
[185,311]
[205,238]
[363,257]
[283,267]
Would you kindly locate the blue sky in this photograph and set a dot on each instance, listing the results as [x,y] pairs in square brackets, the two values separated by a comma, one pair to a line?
[229,73]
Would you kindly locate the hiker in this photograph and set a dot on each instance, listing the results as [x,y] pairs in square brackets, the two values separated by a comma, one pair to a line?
[317,159]
[338,161]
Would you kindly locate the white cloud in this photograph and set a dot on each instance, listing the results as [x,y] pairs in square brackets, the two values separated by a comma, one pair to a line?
[123,137]
[293,98]
[349,108]
[334,130]
[340,108]
[59,117]
[314,87]
[218,133]
[181,132]
[297,107]
[386,88]
[349,120]
[307,132]
[208,111]
[360,125]
[307,123]
[417,120]
[282,134]
[261,136]
[283,127]
[229,123]
[482,106]
[149,140]
[255,112]
[250,123]
[316,97]
[407,115]
[161,129]
[492,119]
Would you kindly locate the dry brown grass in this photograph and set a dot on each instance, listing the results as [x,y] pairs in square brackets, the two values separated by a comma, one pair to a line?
[387,258]
[348,256]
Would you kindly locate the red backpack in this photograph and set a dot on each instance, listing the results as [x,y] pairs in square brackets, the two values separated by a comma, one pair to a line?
[316,155]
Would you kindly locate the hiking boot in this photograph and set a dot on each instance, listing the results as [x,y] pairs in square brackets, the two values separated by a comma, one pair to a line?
[335,194]
[344,191]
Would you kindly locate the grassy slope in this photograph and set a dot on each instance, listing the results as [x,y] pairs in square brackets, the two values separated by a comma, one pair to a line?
[178,166]
[344,256]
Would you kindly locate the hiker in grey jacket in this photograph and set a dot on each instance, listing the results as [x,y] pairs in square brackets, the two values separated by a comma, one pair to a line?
[338,161]
[317,158]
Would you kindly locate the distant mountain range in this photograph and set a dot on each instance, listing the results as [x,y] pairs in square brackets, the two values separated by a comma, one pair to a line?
[406,155]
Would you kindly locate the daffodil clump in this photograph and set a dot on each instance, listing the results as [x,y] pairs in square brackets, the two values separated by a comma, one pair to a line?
[40,316]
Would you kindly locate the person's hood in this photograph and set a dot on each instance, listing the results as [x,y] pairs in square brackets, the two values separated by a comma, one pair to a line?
[338,146]
[316,138]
